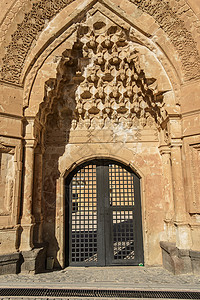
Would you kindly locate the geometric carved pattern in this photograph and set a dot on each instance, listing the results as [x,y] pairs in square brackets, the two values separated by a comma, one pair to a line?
[101,83]
[175,28]
[42,11]
[113,89]
[27,31]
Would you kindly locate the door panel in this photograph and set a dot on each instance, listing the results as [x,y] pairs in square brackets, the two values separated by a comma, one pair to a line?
[123,239]
[83,215]
[104,215]
[122,205]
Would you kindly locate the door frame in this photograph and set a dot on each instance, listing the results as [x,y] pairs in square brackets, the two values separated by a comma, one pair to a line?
[137,207]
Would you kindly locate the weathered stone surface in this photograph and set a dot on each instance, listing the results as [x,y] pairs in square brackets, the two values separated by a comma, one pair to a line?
[133,278]
[195,260]
[177,261]
[36,18]
[170,256]
[100,79]
[10,263]
[33,261]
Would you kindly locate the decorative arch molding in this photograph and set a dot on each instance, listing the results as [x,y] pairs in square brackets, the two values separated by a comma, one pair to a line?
[42,11]
[52,56]
[180,37]
[68,162]
[74,157]
[186,10]
[80,50]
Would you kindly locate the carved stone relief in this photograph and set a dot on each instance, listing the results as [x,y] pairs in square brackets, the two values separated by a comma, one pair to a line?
[6,179]
[175,28]
[100,92]
[100,84]
[43,11]
[26,33]
[195,172]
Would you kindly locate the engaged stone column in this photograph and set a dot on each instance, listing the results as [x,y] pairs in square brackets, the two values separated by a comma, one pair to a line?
[168,192]
[178,187]
[183,238]
[27,221]
[60,220]
[37,193]
[167,178]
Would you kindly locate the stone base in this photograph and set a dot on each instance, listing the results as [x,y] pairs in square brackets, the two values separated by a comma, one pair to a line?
[180,261]
[10,263]
[33,261]
[195,260]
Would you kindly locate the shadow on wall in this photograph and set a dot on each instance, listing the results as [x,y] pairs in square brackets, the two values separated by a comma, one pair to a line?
[56,116]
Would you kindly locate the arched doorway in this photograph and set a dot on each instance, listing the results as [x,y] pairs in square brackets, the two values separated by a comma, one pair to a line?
[103,215]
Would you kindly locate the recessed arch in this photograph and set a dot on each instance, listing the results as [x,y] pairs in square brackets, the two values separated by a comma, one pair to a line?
[34,84]
[84,160]
[69,164]
[143,167]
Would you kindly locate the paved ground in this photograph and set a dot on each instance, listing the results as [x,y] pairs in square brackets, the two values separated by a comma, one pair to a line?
[141,278]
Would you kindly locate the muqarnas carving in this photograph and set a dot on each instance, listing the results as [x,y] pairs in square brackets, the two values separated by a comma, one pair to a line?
[42,11]
[103,83]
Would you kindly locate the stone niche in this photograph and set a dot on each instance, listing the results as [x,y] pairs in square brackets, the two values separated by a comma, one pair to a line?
[101,83]
[9,259]
[7,173]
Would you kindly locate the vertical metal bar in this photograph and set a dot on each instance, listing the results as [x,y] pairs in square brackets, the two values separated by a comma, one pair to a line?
[85,198]
[67,224]
[107,216]
[121,200]
[88,218]
[132,227]
[78,229]
[101,216]
[138,222]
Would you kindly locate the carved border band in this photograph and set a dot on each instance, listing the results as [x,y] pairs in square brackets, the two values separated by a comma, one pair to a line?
[43,11]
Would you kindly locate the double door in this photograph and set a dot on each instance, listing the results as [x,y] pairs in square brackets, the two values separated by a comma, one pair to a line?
[103,215]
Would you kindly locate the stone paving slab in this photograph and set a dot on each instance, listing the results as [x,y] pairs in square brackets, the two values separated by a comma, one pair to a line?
[133,278]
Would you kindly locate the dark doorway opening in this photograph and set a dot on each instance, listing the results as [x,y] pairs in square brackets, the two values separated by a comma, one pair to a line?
[103,215]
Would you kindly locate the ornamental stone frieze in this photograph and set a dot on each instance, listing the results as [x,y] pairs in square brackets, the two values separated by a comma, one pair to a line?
[36,19]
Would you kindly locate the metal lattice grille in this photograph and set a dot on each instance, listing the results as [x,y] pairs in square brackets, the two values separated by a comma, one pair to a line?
[123,235]
[84,215]
[104,197]
[130,294]
[121,186]
[122,203]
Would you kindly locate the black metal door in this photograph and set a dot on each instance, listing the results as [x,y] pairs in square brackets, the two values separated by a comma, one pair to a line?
[103,215]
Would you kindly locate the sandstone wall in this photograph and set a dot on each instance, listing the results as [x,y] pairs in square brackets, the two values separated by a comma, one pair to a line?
[107,79]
